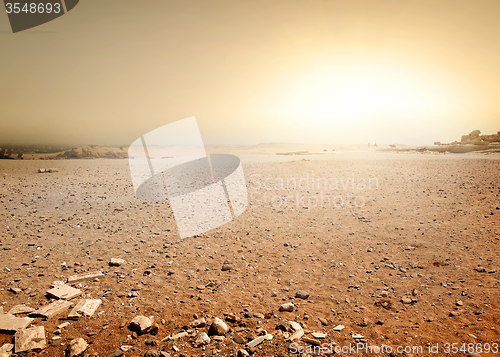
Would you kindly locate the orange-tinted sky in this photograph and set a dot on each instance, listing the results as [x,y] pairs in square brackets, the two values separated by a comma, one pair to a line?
[317,71]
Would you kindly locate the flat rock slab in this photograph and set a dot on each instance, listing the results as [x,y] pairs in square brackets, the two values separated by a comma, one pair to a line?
[65,292]
[13,323]
[30,339]
[51,309]
[84,307]
[85,276]
[21,310]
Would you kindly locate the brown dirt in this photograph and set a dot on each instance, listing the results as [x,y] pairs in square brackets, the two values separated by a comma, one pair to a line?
[430,231]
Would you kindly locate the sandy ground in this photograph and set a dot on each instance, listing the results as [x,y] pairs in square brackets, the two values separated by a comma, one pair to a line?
[418,241]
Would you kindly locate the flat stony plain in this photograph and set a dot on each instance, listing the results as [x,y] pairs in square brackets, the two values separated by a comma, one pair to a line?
[410,260]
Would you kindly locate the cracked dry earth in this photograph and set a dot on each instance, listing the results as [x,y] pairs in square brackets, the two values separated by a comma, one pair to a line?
[415,265]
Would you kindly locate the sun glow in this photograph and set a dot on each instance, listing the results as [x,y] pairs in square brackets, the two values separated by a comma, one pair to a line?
[353,95]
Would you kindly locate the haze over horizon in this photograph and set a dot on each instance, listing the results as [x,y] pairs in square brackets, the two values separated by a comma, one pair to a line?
[319,72]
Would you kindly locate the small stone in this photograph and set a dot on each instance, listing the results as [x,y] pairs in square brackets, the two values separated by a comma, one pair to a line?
[219,327]
[6,350]
[323,321]
[199,323]
[301,294]
[339,328]
[76,347]
[243,353]
[288,307]
[238,339]
[30,339]
[227,267]
[116,262]
[460,303]
[295,325]
[357,336]
[405,300]
[151,340]
[454,313]
[318,335]
[15,290]
[116,354]
[202,339]
[141,324]
[479,312]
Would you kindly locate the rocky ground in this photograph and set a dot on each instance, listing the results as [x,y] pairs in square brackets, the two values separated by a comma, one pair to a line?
[413,262]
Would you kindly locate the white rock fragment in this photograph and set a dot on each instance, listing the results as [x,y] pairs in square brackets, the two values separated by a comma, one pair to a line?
[199,323]
[295,325]
[84,307]
[202,339]
[318,335]
[30,339]
[297,335]
[76,347]
[85,276]
[339,328]
[141,324]
[255,342]
[6,350]
[116,262]
[287,307]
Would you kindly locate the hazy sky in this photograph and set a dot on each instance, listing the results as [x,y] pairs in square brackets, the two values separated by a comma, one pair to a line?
[317,71]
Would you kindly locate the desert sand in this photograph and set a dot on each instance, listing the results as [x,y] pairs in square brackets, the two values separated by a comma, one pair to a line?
[405,253]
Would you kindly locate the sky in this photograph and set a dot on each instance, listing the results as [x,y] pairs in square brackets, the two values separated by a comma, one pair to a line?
[251,71]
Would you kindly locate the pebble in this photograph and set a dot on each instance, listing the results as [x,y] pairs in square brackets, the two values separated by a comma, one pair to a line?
[323,321]
[301,294]
[141,324]
[202,339]
[238,339]
[116,262]
[219,327]
[288,307]
[405,300]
